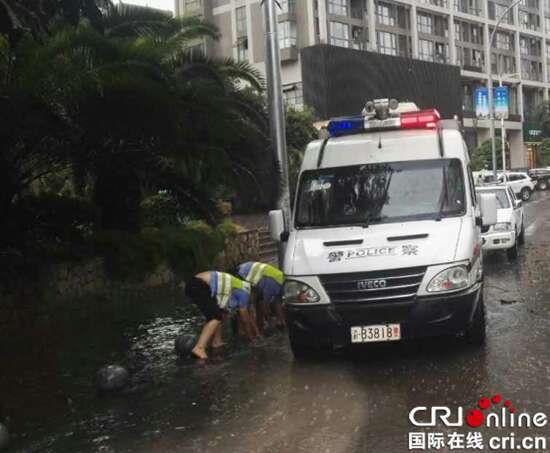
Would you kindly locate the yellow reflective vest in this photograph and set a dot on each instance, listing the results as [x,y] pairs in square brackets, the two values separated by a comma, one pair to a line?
[259,270]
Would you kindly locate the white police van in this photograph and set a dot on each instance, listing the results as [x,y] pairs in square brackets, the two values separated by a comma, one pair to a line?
[385,240]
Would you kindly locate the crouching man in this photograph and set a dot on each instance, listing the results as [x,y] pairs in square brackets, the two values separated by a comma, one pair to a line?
[269,281]
[215,294]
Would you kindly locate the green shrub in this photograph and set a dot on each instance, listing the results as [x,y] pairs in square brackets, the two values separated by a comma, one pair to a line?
[49,226]
[191,249]
[159,210]
[130,257]
[228,229]
[187,249]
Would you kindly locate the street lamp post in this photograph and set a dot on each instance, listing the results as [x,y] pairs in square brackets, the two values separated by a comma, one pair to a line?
[490,87]
[502,129]
[276,109]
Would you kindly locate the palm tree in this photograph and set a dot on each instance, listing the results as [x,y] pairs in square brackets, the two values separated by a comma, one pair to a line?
[144,111]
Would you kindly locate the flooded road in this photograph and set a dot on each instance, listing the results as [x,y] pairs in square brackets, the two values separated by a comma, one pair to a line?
[257,398]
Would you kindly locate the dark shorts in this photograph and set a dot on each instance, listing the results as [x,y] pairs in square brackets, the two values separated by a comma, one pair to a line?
[270,290]
[199,292]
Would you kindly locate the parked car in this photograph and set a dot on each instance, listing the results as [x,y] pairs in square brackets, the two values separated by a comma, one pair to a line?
[541,176]
[520,182]
[509,231]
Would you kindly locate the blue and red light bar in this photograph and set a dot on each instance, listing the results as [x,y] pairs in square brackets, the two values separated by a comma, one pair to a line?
[422,119]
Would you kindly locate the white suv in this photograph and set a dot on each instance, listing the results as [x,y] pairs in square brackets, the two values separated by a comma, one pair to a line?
[509,231]
[521,184]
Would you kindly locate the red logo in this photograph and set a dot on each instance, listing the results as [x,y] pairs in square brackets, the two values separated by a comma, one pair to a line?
[476,417]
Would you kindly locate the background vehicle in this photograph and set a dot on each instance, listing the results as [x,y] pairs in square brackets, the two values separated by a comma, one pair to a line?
[521,183]
[509,231]
[385,242]
[541,176]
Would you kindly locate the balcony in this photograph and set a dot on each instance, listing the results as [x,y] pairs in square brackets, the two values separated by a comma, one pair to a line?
[289,54]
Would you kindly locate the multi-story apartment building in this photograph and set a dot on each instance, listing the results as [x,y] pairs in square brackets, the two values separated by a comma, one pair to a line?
[454,32]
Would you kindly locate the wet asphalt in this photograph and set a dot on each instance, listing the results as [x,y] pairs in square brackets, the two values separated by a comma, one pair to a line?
[259,399]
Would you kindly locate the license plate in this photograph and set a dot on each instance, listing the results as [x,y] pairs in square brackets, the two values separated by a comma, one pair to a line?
[372,334]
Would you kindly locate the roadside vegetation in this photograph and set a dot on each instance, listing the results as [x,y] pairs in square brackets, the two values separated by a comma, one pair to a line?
[118,137]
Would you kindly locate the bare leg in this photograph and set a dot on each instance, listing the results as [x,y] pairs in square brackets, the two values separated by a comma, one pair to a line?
[249,323]
[217,341]
[263,319]
[208,331]
[281,322]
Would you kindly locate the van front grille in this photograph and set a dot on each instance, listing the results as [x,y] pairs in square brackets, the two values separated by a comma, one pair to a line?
[396,285]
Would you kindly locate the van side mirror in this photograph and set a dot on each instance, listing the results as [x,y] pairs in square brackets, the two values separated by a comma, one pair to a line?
[488,206]
[276,225]
[518,203]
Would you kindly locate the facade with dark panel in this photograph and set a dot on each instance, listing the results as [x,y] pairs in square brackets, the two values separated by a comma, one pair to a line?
[445,32]
[338,81]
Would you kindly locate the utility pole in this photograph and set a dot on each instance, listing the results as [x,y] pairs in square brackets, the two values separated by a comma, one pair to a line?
[275,103]
[503,139]
[490,86]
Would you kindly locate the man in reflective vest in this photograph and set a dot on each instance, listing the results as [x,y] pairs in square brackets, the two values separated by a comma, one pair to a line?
[269,280]
[215,294]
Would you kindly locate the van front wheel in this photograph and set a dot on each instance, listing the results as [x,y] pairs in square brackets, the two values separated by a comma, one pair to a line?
[475,332]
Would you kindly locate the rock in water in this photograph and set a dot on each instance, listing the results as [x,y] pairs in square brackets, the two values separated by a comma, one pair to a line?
[4,437]
[184,344]
[111,378]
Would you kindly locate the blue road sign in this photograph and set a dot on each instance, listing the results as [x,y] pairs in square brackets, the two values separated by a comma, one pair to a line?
[501,99]
[481,102]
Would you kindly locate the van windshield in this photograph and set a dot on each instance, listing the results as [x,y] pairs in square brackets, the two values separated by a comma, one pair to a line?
[380,193]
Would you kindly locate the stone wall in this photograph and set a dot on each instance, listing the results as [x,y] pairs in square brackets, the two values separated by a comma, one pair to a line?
[245,247]
[71,280]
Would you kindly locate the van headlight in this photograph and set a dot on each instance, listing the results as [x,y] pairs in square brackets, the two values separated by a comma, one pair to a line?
[503,226]
[295,292]
[454,278]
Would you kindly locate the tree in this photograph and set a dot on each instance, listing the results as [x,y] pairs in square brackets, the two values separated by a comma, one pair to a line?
[543,118]
[299,132]
[38,17]
[482,157]
[544,153]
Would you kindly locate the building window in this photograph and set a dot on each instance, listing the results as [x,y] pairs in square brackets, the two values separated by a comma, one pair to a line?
[384,14]
[387,43]
[190,6]
[288,6]
[425,50]
[503,41]
[242,34]
[294,96]
[529,21]
[496,10]
[338,7]
[441,52]
[459,56]
[477,58]
[360,38]
[339,34]
[440,3]
[468,6]
[425,23]
[477,34]
[467,98]
[287,34]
